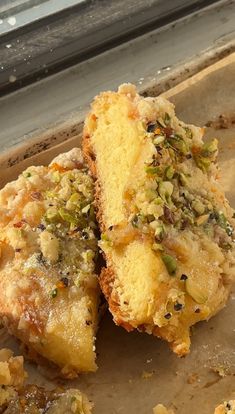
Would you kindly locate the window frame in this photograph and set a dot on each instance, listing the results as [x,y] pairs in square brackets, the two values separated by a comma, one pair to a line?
[67,37]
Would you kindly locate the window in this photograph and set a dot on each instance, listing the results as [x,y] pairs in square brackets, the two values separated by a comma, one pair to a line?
[15,14]
[40,37]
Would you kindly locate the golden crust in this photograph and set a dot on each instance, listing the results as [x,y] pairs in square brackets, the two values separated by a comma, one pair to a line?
[107,275]
[89,157]
[106,279]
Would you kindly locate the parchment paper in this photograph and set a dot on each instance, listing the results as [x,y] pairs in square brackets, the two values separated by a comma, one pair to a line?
[137,371]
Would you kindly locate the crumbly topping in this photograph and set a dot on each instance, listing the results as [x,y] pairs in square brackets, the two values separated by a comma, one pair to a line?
[178,190]
[48,248]
[172,200]
[57,221]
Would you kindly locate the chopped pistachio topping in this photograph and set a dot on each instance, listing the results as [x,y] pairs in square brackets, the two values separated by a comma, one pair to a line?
[66,229]
[169,172]
[151,170]
[27,174]
[206,155]
[157,247]
[189,132]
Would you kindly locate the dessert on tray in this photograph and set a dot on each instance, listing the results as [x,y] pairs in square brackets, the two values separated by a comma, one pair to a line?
[167,228]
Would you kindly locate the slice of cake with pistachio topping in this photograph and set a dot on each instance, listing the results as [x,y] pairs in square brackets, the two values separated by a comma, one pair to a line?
[228,407]
[49,292]
[167,228]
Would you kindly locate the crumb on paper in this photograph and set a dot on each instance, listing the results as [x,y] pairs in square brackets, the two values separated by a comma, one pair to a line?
[221,370]
[148,361]
[161,409]
[147,374]
[192,378]
[222,122]
[11,368]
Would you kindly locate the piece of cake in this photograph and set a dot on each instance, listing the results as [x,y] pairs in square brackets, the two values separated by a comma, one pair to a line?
[49,294]
[167,228]
[17,398]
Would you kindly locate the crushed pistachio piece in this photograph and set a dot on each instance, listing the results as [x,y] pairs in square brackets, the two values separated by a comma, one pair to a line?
[66,216]
[209,149]
[27,174]
[206,155]
[202,219]
[151,194]
[223,222]
[52,214]
[183,179]
[151,170]
[165,190]
[170,263]
[167,119]
[158,139]
[177,142]
[104,237]
[159,229]
[169,172]
[86,209]
[198,206]
[157,247]
[136,221]
[189,132]
[56,177]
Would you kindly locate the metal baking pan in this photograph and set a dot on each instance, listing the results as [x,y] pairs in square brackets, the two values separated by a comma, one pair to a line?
[137,371]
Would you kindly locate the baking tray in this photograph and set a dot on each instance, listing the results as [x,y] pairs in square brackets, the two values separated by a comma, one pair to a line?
[137,371]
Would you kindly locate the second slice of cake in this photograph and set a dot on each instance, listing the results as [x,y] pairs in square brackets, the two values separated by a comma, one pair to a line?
[167,228]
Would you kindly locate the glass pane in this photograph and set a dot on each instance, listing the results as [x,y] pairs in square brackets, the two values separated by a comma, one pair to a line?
[18,13]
